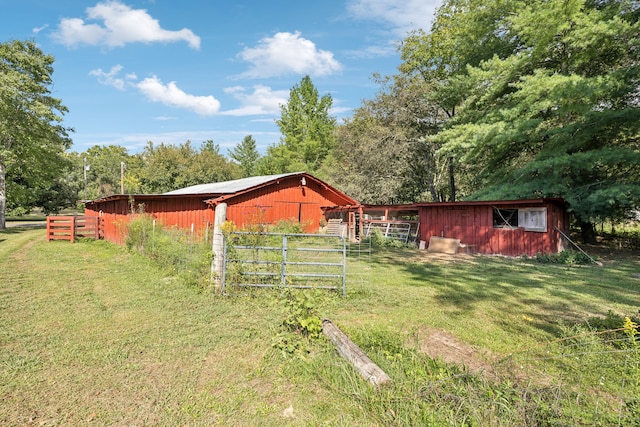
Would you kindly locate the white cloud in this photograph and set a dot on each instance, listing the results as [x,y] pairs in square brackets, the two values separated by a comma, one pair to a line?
[400,16]
[288,53]
[118,25]
[111,78]
[36,30]
[156,91]
[263,100]
[375,51]
[170,94]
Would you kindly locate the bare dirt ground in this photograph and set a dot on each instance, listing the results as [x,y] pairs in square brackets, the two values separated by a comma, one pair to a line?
[439,344]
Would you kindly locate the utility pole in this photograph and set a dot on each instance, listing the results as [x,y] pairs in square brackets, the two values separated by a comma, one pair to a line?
[85,168]
[121,177]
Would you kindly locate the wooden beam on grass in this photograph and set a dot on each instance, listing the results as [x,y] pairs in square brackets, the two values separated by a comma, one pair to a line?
[350,351]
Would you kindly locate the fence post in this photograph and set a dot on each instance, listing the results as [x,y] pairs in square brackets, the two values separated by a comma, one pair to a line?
[73,229]
[217,266]
[344,267]
[48,228]
[283,270]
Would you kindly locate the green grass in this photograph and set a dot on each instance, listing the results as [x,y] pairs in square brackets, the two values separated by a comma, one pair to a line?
[93,334]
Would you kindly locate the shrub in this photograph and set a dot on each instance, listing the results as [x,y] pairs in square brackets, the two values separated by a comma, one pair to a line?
[567,257]
[287,226]
[301,323]
[378,240]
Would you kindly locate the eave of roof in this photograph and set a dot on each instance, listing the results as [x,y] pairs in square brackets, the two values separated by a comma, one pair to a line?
[415,206]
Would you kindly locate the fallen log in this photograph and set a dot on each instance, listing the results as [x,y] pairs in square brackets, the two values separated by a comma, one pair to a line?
[354,354]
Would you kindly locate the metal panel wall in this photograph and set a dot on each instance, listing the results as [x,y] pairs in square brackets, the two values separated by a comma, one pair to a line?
[286,200]
[181,212]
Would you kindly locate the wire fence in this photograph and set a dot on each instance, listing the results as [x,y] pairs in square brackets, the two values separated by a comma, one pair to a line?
[588,378]
[585,379]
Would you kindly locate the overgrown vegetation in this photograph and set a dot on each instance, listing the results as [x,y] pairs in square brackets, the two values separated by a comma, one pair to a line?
[301,324]
[378,240]
[177,251]
[567,257]
[143,348]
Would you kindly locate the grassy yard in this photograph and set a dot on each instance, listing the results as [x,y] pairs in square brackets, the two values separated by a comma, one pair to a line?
[95,335]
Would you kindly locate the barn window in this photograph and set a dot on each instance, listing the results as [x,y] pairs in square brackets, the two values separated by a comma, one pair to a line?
[533,219]
[505,218]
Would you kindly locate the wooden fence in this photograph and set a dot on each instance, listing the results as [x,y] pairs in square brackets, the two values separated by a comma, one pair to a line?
[72,227]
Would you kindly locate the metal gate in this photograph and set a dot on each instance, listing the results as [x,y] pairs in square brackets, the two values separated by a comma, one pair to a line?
[274,260]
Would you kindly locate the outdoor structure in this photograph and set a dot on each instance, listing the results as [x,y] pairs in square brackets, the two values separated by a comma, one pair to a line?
[505,227]
[262,199]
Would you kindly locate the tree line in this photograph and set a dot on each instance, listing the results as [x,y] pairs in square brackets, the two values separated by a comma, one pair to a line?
[496,100]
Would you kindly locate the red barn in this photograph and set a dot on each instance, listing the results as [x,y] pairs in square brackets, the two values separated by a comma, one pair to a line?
[505,227]
[262,199]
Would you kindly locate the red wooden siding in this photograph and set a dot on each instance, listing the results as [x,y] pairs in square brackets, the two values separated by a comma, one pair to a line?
[286,200]
[473,225]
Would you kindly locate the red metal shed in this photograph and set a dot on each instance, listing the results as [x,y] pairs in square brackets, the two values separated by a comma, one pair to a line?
[506,227]
[265,199]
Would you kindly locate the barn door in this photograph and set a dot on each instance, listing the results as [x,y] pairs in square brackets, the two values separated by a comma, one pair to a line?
[310,214]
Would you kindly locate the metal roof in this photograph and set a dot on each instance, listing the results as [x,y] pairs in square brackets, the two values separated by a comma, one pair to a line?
[415,206]
[229,187]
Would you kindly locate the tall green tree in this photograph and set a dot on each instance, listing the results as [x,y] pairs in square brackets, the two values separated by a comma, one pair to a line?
[383,152]
[32,139]
[560,115]
[103,163]
[307,129]
[169,167]
[246,154]
[464,33]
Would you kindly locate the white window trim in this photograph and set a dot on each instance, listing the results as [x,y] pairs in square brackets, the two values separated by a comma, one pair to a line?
[533,219]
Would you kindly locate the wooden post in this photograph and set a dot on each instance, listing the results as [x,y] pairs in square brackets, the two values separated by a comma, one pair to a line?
[361,226]
[350,351]
[218,245]
[122,177]
[73,229]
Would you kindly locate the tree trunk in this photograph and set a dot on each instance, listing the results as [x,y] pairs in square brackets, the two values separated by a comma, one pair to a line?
[588,232]
[3,194]
[452,182]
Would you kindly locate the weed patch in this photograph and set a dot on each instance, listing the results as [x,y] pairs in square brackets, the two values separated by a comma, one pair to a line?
[301,324]
[568,257]
[180,253]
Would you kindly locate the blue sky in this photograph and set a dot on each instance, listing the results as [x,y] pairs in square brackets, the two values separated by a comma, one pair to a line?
[132,71]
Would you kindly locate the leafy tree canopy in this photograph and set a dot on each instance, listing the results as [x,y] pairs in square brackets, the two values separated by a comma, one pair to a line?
[559,115]
[307,132]
[32,140]
[167,167]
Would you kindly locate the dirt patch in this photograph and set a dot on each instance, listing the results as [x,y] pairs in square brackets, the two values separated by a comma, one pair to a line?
[439,344]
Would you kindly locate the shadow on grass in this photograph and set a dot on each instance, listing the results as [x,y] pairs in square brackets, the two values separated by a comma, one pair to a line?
[14,230]
[544,294]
